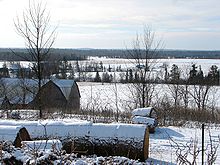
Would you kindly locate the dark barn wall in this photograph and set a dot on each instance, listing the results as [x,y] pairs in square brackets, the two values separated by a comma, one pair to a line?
[73,102]
[51,97]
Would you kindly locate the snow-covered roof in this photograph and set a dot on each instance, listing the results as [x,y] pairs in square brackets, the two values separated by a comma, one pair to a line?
[65,86]
[142,111]
[14,88]
[18,81]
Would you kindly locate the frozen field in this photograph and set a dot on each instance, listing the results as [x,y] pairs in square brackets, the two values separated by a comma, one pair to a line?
[98,95]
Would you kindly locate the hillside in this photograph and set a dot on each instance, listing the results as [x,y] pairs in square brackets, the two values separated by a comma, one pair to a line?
[8,54]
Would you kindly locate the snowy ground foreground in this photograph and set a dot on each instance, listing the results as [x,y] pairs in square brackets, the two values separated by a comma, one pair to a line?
[162,149]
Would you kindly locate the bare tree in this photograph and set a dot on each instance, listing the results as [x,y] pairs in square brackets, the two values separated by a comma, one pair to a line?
[35,29]
[144,55]
[200,95]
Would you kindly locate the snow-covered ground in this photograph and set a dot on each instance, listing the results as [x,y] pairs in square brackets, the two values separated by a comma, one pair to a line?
[111,96]
[165,141]
[183,63]
[163,145]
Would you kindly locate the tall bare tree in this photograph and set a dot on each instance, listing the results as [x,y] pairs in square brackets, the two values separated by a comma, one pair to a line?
[39,38]
[144,55]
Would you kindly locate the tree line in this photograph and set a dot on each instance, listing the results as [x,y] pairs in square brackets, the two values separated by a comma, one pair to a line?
[65,69]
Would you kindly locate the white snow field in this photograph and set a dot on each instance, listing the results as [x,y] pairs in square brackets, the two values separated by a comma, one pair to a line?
[113,96]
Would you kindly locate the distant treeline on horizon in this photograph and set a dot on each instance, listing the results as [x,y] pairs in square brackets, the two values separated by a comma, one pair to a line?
[16,54]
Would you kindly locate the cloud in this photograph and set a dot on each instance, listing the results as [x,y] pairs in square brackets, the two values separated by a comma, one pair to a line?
[118,20]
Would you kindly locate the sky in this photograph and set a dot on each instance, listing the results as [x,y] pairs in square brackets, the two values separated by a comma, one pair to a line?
[114,24]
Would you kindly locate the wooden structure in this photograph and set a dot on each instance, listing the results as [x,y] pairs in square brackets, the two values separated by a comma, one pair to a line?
[127,143]
[129,140]
[59,94]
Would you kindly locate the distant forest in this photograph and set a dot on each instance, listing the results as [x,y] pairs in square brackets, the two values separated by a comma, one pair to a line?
[7,54]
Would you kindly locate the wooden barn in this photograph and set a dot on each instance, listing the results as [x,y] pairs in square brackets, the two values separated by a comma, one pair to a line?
[59,94]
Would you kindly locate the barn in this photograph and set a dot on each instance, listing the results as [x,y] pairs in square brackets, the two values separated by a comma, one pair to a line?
[59,94]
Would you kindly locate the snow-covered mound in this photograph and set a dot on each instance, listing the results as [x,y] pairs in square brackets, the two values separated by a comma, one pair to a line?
[142,111]
[72,128]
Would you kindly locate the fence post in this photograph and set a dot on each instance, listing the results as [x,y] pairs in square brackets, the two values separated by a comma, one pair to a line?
[203,126]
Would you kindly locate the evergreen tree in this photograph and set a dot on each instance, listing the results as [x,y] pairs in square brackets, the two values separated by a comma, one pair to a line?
[101,66]
[174,74]
[97,77]
[106,77]
[193,74]
[71,70]
[130,75]
[126,76]
[63,68]
[200,76]
[213,75]
[4,70]
[166,76]
[136,77]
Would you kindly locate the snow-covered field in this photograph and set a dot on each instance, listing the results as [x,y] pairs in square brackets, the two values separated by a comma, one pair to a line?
[111,95]
[183,63]
[163,145]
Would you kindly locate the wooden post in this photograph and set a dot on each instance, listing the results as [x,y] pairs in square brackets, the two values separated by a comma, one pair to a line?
[146,144]
[203,126]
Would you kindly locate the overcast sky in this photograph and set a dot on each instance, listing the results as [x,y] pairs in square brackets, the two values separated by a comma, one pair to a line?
[180,24]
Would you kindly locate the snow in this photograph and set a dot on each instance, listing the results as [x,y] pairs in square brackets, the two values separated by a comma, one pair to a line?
[162,148]
[42,144]
[142,111]
[103,96]
[66,128]
[9,132]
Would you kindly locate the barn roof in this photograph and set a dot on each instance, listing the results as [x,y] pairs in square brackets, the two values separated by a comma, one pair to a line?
[14,88]
[65,86]
[18,81]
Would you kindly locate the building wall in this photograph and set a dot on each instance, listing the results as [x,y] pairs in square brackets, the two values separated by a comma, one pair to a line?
[73,102]
[51,97]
